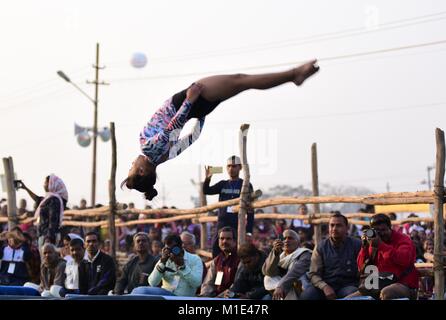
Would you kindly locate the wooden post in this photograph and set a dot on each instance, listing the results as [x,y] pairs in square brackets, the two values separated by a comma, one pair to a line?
[315,181]
[438,216]
[203,203]
[245,198]
[203,235]
[9,181]
[112,189]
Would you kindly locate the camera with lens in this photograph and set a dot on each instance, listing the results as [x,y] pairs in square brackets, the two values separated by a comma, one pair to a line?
[175,250]
[370,233]
[18,184]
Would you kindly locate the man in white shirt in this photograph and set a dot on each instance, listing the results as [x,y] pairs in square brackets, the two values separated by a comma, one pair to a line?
[179,271]
[77,252]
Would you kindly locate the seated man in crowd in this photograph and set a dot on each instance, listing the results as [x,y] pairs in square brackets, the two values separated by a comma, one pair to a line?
[286,267]
[392,253]
[99,270]
[14,255]
[73,283]
[52,271]
[137,270]
[333,271]
[190,245]
[248,283]
[179,271]
[65,250]
[189,242]
[222,270]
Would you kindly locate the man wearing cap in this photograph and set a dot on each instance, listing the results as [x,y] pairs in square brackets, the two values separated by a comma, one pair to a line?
[137,270]
[227,190]
[286,267]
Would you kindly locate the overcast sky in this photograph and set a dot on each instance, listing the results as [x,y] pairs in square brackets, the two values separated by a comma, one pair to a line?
[373,116]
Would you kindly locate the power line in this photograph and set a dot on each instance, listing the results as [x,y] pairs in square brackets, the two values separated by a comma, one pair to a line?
[354,113]
[310,39]
[328,115]
[271,45]
[329,58]
[276,44]
[28,102]
[38,86]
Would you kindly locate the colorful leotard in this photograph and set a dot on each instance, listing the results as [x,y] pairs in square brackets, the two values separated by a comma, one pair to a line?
[161,134]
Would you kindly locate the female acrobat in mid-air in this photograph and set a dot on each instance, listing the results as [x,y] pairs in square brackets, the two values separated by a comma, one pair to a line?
[160,137]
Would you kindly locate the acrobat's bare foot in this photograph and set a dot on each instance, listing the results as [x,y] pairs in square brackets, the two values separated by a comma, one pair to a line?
[305,71]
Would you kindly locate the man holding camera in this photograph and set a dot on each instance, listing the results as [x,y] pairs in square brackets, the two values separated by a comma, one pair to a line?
[180,271]
[227,190]
[394,254]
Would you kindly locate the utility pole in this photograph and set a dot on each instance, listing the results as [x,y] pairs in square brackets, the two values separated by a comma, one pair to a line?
[95,124]
[315,186]
[163,196]
[202,202]
[388,187]
[202,196]
[429,183]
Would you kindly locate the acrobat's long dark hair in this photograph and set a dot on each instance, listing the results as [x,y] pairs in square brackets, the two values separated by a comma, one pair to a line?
[143,184]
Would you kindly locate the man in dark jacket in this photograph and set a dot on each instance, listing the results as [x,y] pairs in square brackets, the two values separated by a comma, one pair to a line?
[52,271]
[248,283]
[334,271]
[227,190]
[97,275]
[137,270]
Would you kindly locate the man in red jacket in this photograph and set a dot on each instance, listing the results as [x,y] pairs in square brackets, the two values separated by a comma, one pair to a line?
[394,253]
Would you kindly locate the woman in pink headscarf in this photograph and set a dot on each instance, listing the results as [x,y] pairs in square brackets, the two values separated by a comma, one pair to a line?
[49,212]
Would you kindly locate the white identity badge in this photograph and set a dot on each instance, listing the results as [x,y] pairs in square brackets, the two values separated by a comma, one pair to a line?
[219,278]
[11,268]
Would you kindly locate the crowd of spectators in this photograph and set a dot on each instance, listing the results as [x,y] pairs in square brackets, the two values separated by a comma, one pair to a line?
[279,260]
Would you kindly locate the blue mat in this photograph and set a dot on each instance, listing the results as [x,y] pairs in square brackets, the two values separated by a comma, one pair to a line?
[358,298]
[18,291]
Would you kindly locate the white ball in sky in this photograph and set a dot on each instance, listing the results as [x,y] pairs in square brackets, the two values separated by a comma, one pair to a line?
[139,60]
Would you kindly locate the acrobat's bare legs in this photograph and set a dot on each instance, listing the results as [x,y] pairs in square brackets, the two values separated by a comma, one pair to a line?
[222,87]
